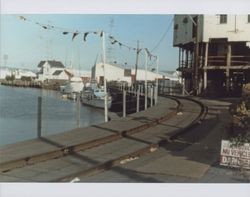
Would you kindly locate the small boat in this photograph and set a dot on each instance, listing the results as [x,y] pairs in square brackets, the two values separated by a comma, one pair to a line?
[95,96]
[72,88]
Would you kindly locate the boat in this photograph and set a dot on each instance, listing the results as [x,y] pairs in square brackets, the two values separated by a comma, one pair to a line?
[94,96]
[72,88]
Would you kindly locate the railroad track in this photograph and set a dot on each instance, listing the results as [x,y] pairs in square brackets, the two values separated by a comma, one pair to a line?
[131,136]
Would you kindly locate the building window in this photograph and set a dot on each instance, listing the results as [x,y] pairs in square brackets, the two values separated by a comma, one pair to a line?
[248,18]
[223,19]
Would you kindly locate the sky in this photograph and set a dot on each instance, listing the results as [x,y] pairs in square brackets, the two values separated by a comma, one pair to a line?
[26,43]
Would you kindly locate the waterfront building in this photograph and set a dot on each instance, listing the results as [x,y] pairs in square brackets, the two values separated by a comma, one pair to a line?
[51,70]
[121,74]
[17,73]
[214,52]
[4,72]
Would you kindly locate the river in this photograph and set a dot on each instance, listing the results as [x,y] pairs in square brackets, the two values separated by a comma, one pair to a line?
[18,114]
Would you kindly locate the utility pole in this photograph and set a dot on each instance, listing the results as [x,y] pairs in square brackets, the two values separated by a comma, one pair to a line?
[146,81]
[196,60]
[137,59]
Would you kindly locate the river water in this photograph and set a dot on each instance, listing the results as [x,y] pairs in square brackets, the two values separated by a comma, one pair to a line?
[18,114]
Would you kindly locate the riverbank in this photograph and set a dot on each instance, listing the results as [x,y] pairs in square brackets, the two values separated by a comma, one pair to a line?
[48,85]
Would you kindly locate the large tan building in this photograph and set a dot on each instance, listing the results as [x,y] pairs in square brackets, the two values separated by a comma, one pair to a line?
[219,64]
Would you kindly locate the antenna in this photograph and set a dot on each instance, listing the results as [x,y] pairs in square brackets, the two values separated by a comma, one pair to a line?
[5,58]
[96,59]
[110,49]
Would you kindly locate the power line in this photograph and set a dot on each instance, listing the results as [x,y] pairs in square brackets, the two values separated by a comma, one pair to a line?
[163,36]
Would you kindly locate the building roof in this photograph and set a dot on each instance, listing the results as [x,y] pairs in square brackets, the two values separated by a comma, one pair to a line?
[57,72]
[53,63]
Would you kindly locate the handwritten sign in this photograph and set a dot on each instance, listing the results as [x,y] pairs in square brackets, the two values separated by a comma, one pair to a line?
[235,156]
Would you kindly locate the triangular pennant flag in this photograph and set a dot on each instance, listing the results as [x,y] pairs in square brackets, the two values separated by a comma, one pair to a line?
[65,32]
[101,34]
[114,41]
[148,52]
[74,35]
[22,18]
[85,36]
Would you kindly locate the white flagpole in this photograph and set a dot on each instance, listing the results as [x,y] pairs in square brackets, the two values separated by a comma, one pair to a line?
[104,76]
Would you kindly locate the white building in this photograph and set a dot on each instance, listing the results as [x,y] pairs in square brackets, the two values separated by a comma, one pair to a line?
[221,59]
[120,74]
[51,70]
[4,72]
[18,73]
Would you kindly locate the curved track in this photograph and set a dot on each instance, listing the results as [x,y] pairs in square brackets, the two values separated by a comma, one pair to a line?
[103,153]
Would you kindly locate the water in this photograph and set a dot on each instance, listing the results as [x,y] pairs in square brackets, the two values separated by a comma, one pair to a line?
[18,114]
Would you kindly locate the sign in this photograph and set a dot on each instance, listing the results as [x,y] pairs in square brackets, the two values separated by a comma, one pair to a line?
[235,155]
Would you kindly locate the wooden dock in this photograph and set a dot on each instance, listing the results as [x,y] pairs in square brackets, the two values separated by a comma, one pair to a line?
[121,139]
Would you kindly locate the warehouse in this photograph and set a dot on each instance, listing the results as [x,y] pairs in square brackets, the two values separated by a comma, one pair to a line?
[214,53]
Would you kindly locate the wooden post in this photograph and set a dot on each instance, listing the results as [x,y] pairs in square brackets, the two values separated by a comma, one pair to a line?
[205,67]
[151,96]
[138,99]
[182,57]
[124,103]
[170,87]
[186,61]
[229,51]
[39,117]
[183,86]
[156,94]
[78,111]
[179,57]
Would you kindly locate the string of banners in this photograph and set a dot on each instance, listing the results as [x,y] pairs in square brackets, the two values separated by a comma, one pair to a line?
[76,33]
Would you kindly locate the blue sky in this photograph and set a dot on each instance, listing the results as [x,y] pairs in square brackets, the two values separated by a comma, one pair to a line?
[27,43]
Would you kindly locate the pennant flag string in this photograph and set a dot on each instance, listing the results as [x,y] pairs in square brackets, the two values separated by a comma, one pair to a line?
[114,41]
[74,35]
[65,31]
[85,36]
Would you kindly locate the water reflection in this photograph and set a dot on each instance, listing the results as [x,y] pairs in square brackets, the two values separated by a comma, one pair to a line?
[18,114]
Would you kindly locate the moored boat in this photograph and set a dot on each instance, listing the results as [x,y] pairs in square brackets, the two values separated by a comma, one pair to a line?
[95,96]
[72,88]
